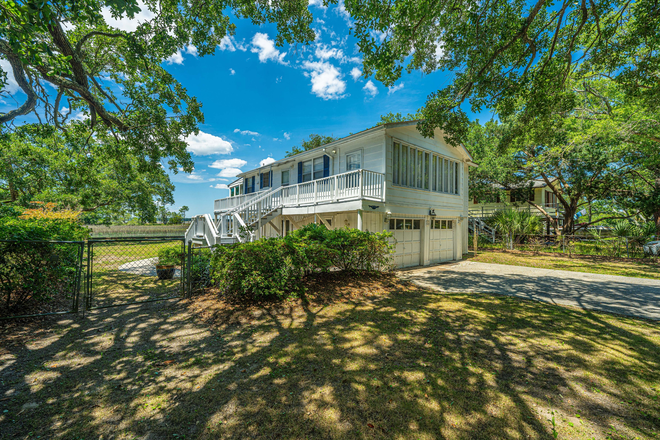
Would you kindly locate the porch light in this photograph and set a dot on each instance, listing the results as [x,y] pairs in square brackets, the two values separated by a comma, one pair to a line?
[388,215]
[432,212]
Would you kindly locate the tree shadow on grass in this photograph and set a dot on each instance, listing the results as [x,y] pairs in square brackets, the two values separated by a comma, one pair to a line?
[407,364]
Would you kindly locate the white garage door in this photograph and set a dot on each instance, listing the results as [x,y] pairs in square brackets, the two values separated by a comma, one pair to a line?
[442,241]
[408,235]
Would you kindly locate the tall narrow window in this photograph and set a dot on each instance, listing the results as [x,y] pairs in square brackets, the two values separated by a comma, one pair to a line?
[427,168]
[446,173]
[307,171]
[456,178]
[395,164]
[353,161]
[451,178]
[285,178]
[420,169]
[434,167]
[318,168]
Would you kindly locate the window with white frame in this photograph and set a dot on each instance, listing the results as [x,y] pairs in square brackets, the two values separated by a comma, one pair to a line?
[312,169]
[417,168]
[354,161]
[285,178]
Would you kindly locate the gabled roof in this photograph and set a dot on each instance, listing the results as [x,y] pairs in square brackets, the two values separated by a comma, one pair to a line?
[349,138]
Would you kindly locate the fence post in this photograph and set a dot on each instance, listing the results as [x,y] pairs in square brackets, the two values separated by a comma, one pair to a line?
[188,269]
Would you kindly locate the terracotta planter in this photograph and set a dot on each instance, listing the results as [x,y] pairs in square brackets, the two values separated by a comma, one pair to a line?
[165,271]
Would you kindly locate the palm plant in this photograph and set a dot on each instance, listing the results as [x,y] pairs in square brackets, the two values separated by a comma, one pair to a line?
[512,223]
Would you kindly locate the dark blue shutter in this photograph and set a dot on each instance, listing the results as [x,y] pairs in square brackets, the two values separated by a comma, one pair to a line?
[247,188]
[270,178]
[326,165]
[299,172]
[253,179]
[261,180]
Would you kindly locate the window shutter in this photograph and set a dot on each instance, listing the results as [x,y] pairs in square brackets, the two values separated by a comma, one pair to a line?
[326,165]
[299,172]
[270,178]
[247,188]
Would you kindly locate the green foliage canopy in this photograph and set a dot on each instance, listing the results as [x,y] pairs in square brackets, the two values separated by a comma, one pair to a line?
[38,162]
[116,76]
[511,56]
[314,141]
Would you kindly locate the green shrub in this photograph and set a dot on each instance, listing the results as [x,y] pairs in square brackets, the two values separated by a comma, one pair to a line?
[170,255]
[36,274]
[200,268]
[277,266]
[267,267]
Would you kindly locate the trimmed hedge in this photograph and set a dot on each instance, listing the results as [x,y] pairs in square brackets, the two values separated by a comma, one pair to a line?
[278,266]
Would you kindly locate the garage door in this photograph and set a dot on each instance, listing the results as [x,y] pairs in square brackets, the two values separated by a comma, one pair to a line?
[442,241]
[408,235]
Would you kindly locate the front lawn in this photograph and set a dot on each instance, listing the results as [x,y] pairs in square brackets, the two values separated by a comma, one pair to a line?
[366,358]
[642,268]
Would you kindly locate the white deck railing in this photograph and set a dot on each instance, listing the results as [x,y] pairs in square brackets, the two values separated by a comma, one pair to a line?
[358,184]
[232,202]
[487,211]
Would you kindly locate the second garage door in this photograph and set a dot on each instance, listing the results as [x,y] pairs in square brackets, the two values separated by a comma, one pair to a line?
[442,241]
[408,235]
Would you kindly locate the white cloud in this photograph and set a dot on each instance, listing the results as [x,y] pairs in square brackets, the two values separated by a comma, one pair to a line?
[327,80]
[229,172]
[343,13]
[278,79]
[394,89]
[266,161]
[192,50]
[266,49]
[287,136]
[232,71]
[378,35]
[194,176]
[12,86]
[220,186]
[317,3]
[370,89]
[356,73]
[246,132]
[229,43]
[128,24]
[324,52]
[228,163]
[204,144]
[176,58]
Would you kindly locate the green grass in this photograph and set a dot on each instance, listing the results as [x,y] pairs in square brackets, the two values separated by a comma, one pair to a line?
[647,268]
[372,359]
[110,285]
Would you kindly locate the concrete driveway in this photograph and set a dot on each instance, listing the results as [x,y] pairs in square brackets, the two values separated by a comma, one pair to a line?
[624,295]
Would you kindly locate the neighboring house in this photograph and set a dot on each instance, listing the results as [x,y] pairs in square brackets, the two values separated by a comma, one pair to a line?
[386,178]
[536,191]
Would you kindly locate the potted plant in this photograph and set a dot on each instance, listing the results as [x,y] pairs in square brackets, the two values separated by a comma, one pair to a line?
[168,259]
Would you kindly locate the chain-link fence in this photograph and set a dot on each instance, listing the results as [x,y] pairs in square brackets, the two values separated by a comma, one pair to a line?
[615,247]
[39,278]
[135,270]
[198,275]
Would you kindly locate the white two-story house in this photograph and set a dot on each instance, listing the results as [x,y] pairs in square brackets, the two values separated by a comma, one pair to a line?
[386,178]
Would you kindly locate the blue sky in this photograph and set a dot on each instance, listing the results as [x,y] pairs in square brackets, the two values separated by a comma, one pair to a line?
[259,100]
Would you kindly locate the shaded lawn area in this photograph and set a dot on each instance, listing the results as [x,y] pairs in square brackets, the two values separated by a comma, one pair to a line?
[367,358]
[641,268]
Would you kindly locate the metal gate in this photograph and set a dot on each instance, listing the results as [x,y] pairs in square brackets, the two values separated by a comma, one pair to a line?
[131,271]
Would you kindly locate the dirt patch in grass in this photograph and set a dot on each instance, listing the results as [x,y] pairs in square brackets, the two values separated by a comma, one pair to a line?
[354,358]
[647,268]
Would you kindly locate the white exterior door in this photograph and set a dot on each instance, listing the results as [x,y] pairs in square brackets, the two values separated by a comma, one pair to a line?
[408,238]
[442,240]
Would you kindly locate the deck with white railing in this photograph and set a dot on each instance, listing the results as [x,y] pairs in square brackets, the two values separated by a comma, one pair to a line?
[353,185]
